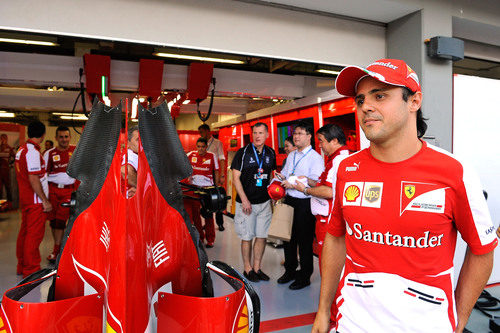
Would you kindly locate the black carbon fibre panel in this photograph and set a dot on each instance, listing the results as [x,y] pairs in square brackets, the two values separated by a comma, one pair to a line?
[169,164]
[92,157]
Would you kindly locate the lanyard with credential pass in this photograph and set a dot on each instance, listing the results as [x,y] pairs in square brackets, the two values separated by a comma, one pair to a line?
[259,163]
[300,159]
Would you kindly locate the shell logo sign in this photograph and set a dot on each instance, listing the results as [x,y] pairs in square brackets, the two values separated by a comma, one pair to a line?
[352,193]
[242,326]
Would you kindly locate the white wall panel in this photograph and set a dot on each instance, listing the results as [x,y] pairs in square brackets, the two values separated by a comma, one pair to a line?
[221,25]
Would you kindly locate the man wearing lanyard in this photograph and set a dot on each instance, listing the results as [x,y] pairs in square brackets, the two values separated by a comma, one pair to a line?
[215,146]
[304,161]
[252,167]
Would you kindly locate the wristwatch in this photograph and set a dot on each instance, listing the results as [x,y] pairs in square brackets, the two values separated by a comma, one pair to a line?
[305,190]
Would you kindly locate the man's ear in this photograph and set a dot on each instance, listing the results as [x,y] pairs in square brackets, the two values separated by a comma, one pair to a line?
[415,101]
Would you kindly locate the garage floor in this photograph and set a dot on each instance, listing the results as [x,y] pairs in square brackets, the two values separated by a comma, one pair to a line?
[283,310]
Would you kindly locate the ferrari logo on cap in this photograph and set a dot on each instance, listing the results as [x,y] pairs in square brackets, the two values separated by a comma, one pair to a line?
[409,191]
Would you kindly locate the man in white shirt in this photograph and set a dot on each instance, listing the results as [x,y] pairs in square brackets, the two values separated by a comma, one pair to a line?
[215,146]
[304,161]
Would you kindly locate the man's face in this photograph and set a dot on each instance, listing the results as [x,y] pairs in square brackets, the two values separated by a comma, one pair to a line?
[204,133]
[328,148]
[48,145]
[301,138]
[259,135]
[383,114]
[288,147]
[202,148]
[133,142]
[62,138]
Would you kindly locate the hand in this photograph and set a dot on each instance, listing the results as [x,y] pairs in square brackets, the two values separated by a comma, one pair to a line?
[279,176]
[222,180]
[286,184]
[498,232]
[321,323]
[131,192]
[299,186]
[47,206]
[246,206]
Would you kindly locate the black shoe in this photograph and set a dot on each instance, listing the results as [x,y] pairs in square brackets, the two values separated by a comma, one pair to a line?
[251,276]
[262,276]
[287,277]
[221,228]
[299,284]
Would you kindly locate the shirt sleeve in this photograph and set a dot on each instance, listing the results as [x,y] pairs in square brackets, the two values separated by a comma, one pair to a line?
[472,216]
[286,168]
[216,162]
[317,167]
[336,224]
[48,163]
[236,164]
[33,162]
[220,151]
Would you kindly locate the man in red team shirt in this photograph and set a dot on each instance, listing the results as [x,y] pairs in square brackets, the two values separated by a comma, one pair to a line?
[398,207]
[60,185]
[33,197]
[205,166]
[6,155]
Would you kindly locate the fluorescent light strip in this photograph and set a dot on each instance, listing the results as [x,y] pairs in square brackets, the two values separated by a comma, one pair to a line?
[68,114]
[74,118]
[7,115]
[327,71]
[189,57]
[26,41]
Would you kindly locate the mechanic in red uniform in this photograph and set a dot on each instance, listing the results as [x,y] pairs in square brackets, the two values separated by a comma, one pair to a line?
[398,207]
[332,142]
[6,155]
[33,197]
[60,185]
[205,165]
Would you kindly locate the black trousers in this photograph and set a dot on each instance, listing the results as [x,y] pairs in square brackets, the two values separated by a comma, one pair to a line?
[302,237]
[219,219]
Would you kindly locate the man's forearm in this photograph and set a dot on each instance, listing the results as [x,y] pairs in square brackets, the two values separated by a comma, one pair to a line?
[332,262]
[36,185]
[131,176]
[239,188]
[321,191]
[474,275]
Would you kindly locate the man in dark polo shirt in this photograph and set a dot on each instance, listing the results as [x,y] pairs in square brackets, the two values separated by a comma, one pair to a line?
[252,167]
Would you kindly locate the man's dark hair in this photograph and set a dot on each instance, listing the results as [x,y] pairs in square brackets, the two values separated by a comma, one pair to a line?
[204,127]
[260,124]
[131,131]
[62,129]
[50,141]
[332,131]
[36,129]
[421,124]
[290,140]
[202,140]
[305,126]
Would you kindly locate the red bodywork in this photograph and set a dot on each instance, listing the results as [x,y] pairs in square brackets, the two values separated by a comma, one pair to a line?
[119,253]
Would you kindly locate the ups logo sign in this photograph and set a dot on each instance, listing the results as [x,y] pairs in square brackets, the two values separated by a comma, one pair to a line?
[372,194]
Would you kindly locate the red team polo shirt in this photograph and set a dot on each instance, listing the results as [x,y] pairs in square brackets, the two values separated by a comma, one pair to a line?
[203,168]
[57,163]
[29,161]
[400,223]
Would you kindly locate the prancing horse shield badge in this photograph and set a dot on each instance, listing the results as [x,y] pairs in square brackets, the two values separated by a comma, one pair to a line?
[409,191]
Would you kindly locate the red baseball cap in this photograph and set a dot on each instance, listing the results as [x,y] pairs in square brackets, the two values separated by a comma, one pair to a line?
[391,71]
[276,191]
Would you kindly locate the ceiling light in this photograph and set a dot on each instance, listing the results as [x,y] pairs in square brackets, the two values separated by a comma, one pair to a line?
[190,57]
[74,117]
[7,114]
[275,99]
[135,120]
[327,71]
[68,114]
[26,41]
